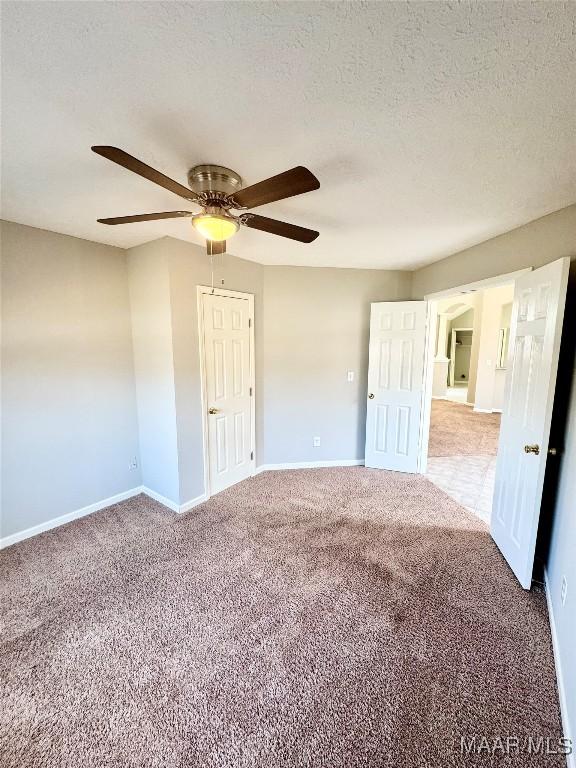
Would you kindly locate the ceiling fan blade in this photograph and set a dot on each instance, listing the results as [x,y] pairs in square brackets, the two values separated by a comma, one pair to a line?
[214,248]
[288,184]
[137,166]
[276,227]
[145,217]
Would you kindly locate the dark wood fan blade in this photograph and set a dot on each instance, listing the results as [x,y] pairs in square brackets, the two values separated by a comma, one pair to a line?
[145,217]
[276,227]
[288,184]
[214,248]
[137,166]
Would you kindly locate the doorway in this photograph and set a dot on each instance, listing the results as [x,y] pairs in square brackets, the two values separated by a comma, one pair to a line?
[226,334]
[469,375]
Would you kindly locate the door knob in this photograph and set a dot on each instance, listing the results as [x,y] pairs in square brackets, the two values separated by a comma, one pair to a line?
[212,410]
[532,449]
[371,396]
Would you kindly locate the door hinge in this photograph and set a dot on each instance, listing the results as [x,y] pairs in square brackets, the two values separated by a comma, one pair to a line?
[250,391]
[249,322]
[251,455]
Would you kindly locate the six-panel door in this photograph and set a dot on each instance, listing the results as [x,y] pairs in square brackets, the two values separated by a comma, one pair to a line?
[535,334]
[395,384]
[229,402]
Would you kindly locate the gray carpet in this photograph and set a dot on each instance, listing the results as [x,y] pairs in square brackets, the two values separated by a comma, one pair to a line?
[335,617]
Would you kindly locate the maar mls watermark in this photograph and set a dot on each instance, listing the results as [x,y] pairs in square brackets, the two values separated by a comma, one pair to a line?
[514,745]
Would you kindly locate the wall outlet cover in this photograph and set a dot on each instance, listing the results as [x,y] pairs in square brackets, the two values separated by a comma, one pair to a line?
[316,442]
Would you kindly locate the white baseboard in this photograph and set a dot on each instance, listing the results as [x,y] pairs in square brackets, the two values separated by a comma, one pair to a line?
[570,759]
[180,508]
[311,465]
[174,506]
[7,541]
[188,505]
[483,410]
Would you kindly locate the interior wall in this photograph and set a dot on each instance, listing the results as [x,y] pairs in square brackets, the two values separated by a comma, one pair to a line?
[69,425]
[164,276]
[533,245]
[493,299]
[154,366]
[316,329]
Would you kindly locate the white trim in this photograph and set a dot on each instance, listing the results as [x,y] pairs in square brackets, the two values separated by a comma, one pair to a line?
[179,508]
[56,522]
[7,541]
[479,285]
[161,499]
[426,403]
[570,759]
[483,410]
[200,291]
[310,465]
[188,505]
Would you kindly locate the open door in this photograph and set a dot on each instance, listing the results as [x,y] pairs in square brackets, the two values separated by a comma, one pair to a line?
[395,384]
[536,327]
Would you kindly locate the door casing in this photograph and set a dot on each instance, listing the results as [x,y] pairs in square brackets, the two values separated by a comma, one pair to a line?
[200,291]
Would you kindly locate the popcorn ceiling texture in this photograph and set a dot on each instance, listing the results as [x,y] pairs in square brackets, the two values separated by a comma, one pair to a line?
[432,126]
[334,618]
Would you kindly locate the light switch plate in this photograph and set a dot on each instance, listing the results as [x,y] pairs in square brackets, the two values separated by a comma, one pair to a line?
[350,375]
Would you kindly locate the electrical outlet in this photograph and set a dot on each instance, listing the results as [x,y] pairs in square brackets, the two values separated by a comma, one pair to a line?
[133,464]
[563,590]
[316,442]
[350,375]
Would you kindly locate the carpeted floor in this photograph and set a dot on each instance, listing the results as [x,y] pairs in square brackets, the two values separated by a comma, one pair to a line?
[334,618]
[457,430]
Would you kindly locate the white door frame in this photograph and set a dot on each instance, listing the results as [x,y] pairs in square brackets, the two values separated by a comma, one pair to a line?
[433,299]
[200,291]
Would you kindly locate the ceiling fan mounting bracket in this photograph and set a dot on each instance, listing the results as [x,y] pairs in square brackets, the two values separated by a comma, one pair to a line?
[214,180]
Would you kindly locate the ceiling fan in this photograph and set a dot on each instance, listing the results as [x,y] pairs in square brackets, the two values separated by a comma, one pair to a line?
[218,190]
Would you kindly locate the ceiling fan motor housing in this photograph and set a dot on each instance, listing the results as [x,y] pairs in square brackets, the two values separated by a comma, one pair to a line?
[214,179]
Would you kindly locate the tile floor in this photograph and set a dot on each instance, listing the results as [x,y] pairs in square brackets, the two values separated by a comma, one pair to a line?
[469,480]
[458,393]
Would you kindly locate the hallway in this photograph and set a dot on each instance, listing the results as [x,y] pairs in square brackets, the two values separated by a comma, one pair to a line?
[462,454]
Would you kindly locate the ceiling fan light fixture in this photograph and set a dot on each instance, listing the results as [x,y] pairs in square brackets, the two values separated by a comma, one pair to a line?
[215,226]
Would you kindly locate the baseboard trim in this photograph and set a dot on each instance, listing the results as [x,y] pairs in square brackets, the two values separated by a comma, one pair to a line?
[483,410]
[570,759]
[7,541]
[161,499]
[310,465]
[179,508]
[188,505]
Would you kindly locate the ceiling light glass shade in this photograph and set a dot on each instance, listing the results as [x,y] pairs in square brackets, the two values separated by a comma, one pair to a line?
[214,226]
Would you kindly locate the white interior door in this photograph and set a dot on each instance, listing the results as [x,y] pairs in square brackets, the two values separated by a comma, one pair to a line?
[536,327]
[228,389]
[395,384]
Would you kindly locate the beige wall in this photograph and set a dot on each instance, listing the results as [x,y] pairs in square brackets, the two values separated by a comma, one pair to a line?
[532,245]
[154,367]
[164,276]
[493,299]
[69,426]
[316,324]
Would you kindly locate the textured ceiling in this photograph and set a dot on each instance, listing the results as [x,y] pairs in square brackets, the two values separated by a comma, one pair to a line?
[431,126]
